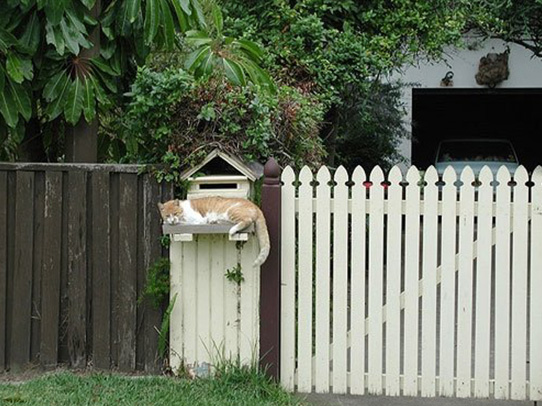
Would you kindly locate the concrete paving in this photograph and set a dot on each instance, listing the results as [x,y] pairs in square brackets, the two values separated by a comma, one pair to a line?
[314,399]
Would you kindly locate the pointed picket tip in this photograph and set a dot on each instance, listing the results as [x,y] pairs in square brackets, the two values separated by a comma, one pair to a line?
[287,175]
[521,176]
[503,175]
[431,176]
[395,177]
[305,176]
[467,176]
[450,176]
[341,175]
[323,176]
[413,175]
[486,177]
[359,176]
[537,175]
[377,175]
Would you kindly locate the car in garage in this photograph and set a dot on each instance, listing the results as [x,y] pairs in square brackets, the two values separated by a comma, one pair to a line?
[476,153]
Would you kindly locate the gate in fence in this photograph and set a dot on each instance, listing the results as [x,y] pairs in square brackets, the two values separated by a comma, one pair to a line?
[407,285]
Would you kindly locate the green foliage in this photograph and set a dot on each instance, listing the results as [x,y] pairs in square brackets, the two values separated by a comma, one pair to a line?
[176,120]
[156,289]
[338,50]
[66,60]
[235,275]
[370,127]
[164,329]
[518,21]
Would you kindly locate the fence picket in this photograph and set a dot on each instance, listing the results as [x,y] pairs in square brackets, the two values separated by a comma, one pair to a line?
[304,341]
[483,284]
[429,298]
[464,312]
[340,279]
[218,280]
[412,249]
[247,345]
[287,330]
[231,301]
[323,225]
[358,273]
[502,284]
[393,282]
[519,285]
[202,310]
[535,364]
[447,286]
[376,229]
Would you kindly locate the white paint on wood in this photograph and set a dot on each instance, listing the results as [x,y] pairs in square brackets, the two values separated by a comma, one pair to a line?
[412,260]
[483,284]
[304,323]
[176,337]
[519,285]
[340,281]
[287,318]
[376,230]
[357,291]
[323,242]
[218,244]
[393,286]
[447,286]
[464,280]
[535,359]
[502,285]
[429,286]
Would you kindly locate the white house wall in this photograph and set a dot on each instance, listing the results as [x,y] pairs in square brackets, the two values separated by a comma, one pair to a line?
[525,72]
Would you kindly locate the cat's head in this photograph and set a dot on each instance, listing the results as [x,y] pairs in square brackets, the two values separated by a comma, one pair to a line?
[171,211]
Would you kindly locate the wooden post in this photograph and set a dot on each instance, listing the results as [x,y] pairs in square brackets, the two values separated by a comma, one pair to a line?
[270,274]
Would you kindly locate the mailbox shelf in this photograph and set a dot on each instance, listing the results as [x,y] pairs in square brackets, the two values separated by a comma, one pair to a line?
[185,232]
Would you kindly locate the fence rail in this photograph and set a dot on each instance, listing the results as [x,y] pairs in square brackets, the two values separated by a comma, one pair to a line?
[410,287]
[75,243]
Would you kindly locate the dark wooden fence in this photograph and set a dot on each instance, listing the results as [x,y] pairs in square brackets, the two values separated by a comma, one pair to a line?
[75,244]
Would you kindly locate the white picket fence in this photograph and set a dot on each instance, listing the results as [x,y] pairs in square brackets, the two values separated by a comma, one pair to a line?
[410,287]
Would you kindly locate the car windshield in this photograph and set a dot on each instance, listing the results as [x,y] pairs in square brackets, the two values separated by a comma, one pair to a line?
[486,151]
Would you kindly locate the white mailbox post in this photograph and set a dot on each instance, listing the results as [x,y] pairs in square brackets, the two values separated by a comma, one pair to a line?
[215,286]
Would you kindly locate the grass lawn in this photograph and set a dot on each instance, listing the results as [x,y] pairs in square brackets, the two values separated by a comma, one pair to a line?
[236,388]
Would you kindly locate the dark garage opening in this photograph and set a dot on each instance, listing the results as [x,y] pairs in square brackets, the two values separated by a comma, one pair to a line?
[515,114]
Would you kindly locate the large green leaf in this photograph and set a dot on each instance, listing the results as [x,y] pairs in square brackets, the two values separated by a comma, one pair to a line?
[54,86]
[88,3]
[234,72]
[7,40]
[199,13]
[31,36]
[197,38]
[54,10]
[250,48]
[2,79]
[185,5]
[21,98]
[130,11]
[218,19]
[168,27]
[70,37]
[54,37]
[74,102]
[14,68]
[152,20]
[194,59]
[55,107]
[181,15]
[8,108]
[89,100]
[104,66]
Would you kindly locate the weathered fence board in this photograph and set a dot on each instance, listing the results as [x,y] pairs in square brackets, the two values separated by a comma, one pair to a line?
[3,266]
[50,304]
[431,289]
[75,245]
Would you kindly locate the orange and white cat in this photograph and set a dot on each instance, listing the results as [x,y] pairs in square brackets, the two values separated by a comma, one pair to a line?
[210,210]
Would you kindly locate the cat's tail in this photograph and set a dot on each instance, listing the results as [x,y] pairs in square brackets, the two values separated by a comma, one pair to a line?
[263,239]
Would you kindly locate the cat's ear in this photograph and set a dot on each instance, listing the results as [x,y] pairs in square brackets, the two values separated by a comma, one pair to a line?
[160,206]
[177,202]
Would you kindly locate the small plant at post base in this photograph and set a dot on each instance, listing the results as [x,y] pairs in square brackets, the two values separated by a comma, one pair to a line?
[235,274]
[157,285]
[164,329]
